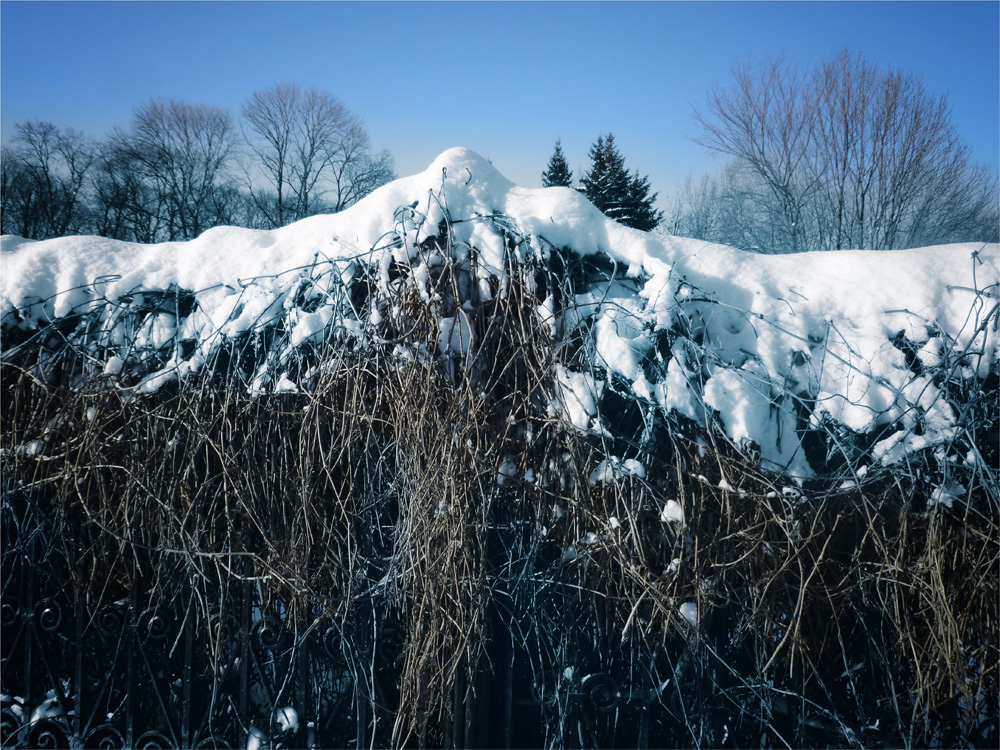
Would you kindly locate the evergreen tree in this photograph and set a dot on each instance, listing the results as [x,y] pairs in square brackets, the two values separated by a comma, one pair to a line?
[558,172]
[605,185]
[642,213]
[619,195]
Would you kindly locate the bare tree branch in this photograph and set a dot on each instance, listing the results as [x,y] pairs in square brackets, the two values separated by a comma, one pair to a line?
[313,155]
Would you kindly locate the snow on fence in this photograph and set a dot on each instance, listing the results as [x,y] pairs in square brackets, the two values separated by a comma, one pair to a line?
[661,480]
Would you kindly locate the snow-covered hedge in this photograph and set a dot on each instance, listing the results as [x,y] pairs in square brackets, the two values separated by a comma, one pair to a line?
[814,361]
[684,429]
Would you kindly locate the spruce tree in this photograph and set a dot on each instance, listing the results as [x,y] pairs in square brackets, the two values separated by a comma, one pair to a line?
[558,172]
[619,195]
[605,183]
[642,214]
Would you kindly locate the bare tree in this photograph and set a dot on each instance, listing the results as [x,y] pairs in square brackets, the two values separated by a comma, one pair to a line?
[167,177]
[842,95]
[126,206]
[44,182]
[959,205]
[851,156]
[180,151]
[312,154]
[733,207]
[357,173]
[763,120]
[18,211]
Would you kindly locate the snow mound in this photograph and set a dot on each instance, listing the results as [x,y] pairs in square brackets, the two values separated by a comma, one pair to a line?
[783,351]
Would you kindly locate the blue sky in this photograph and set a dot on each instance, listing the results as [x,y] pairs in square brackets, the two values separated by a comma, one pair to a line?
[505,79]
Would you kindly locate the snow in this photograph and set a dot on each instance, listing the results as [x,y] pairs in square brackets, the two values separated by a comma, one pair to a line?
[507,472]
[457,335]
[689,611]
[947,493]
[612,468]
[49,708]
[256,739]
[287,719]
[285,385]
[672,513]
[578,397]
[114,365]
[754,336]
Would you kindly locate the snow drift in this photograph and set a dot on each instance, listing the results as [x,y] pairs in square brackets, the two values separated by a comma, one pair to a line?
[786,352]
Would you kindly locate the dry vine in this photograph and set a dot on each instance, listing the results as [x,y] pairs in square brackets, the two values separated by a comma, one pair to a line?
[429,472]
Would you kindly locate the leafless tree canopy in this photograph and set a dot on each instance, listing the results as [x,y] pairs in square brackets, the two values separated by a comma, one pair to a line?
[180,152]
[841,156]
[43,180]
[170,175]
[313,155]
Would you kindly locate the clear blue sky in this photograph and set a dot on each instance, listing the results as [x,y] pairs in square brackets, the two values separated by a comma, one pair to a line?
[505,79]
